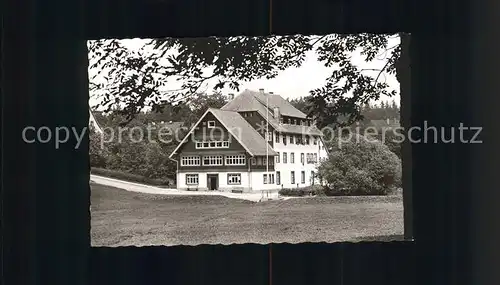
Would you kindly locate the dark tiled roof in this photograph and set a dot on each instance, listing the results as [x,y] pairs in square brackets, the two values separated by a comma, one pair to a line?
[250,100]
[243,132]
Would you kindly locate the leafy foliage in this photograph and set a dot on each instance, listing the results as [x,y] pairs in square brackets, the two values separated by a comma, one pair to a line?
[301,103]
[147,157]
[96,154]
[360,166]
[140,77]
[131,177]
[186,113]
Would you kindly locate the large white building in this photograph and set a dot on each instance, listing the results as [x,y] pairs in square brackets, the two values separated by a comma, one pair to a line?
[258,141]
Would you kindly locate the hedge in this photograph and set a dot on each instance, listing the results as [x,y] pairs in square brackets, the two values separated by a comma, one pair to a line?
[318,190]
[131,177]
[315,190]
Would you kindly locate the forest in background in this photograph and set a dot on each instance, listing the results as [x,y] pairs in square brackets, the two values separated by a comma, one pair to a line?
[147,161]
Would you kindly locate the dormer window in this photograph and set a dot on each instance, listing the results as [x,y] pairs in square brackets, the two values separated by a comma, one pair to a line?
[211,124]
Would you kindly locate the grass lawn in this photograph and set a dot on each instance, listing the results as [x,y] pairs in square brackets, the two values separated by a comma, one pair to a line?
[122,218]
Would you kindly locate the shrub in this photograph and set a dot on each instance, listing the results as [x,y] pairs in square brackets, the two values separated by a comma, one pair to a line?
[131,177]
[96,153]
[315,190]
[144,158]
[360,167]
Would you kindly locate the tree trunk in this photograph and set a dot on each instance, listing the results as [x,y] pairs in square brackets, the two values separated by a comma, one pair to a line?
[403,74]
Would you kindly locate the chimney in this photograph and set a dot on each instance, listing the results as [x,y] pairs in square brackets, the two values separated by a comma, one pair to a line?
[271,93]
[277,113]
[231,96]
[261,90]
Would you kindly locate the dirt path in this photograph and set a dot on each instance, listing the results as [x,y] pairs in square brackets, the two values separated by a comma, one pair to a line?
[141,188]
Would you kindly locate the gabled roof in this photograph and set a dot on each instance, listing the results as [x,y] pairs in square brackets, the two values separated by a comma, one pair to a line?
[250,100]
[240,129]
[94,122]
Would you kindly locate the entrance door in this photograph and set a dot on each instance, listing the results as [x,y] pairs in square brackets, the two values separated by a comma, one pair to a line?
[213,181]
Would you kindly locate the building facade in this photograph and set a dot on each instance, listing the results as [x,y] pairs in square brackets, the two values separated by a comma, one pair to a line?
[258,141]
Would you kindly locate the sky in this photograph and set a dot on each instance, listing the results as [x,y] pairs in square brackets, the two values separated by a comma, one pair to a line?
[297,82]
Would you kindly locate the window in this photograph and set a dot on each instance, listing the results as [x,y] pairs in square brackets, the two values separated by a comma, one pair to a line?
[315,141]
[212,144]
[302,177]
[234,179]
[271,178]
[259,160]
[190,161]
[284,157]
[315,158]
[298,140]
[265,178]
[307,140]
[253,161]
[292,177]
[276,138]
[291,138]
[269,136]
[264,161]
[310,158]
[235,159]
[278,178]
[191,179]
[212,160]
[250,114]
[292,157]
[211,124]
[278,158]
[284,139]
[302,158]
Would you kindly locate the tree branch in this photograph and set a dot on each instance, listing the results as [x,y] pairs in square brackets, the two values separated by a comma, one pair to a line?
[318,39]
[382,70]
